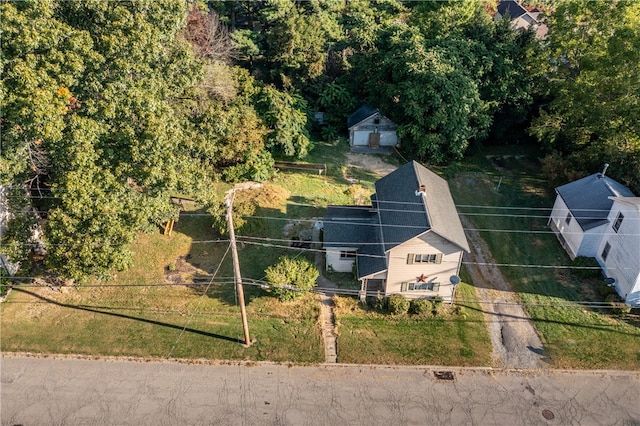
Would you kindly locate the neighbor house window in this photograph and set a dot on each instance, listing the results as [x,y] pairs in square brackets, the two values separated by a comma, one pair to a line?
[605,251]
[424,258]
[347,254]
[618,222]
[568,219]
[413,286]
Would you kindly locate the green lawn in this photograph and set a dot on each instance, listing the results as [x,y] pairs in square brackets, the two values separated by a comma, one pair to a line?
[369,337]
[118,317]
[574,336]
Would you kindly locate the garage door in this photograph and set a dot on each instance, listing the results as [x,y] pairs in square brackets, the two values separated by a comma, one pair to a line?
[361,137]
[388,138]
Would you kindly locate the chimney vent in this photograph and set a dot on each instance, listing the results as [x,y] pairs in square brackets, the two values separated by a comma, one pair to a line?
[604,170]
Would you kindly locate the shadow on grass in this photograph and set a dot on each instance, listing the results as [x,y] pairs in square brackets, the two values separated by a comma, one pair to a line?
[148,321]
[571,324]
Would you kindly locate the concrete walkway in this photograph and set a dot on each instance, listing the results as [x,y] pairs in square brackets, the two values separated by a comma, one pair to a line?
[328,318]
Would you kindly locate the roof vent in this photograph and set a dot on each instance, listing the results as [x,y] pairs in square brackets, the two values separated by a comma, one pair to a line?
[604,170]
[422,190]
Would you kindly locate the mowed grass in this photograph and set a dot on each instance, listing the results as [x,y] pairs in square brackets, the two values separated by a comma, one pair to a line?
[138,313]
[368,337]
[515,228]
[120,319]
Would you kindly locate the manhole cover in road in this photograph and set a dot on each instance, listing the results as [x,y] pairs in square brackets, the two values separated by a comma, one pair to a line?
[547,414]
[443,375]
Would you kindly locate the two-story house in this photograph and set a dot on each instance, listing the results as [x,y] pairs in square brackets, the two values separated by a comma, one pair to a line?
[409,240]
[598,217]
[619,249]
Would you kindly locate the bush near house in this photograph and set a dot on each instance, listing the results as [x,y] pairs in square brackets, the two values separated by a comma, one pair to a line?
[290,277]
[398,304]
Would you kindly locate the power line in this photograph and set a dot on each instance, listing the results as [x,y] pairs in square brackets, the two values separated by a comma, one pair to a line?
[199,301]
[355,292]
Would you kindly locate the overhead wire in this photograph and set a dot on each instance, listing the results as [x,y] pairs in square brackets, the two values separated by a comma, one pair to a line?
[199,302]
[562,303]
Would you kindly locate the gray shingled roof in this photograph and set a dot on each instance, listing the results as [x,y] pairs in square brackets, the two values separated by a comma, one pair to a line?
[365,111]
[405,215]
[358,227]
[588,198]
[400,216]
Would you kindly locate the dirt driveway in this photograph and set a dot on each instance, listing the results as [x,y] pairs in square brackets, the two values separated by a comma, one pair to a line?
[515,341]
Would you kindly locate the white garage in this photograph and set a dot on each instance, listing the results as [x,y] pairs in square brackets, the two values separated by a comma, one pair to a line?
[367,127]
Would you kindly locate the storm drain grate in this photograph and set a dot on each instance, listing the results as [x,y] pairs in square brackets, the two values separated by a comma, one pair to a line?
[443,375]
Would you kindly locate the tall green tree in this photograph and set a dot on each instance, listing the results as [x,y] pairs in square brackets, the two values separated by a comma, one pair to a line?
[92,115]
[594,79]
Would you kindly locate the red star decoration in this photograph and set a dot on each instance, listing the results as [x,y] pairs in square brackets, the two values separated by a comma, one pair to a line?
[422,278]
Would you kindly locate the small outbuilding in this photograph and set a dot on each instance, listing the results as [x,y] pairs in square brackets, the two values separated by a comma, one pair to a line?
[369,128]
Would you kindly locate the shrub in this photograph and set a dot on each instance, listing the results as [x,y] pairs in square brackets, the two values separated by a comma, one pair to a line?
[377,303]
[618,306]
[290,278]
[420,307]
[437,305]
[398,304]
[586,262]
[606,290]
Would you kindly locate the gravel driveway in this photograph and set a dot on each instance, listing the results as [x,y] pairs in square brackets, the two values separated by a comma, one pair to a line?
[515,341]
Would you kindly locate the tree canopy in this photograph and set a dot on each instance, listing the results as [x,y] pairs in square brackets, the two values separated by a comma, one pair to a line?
[594,85]
[107,108]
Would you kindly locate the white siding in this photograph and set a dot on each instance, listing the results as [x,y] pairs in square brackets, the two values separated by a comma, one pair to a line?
[591,240]
[359,134]
[429,243]
[623,260]
[339,264]
[570,232]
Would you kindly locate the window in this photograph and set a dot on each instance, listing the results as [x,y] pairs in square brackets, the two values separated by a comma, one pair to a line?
[413,286]
[376,120]
[348,254]
[618,222]
[424,258]
[568,219]
[605,251]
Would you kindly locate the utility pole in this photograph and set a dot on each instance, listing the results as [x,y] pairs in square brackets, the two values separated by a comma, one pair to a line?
[236,266]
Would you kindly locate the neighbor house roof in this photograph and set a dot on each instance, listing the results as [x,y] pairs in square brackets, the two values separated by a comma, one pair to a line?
[413,200]
[632,201]
[365,111]
[588,198]
[511,8]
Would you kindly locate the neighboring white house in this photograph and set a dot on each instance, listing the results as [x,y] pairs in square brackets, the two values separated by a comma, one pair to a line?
[408,241]
[598,217]
[367,127]
[619,249]
[521,18]
[580,213]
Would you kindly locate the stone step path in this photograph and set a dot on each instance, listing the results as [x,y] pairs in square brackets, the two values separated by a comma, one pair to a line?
[328,329]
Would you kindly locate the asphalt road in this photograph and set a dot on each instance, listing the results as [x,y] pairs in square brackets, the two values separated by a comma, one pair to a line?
[45,391]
